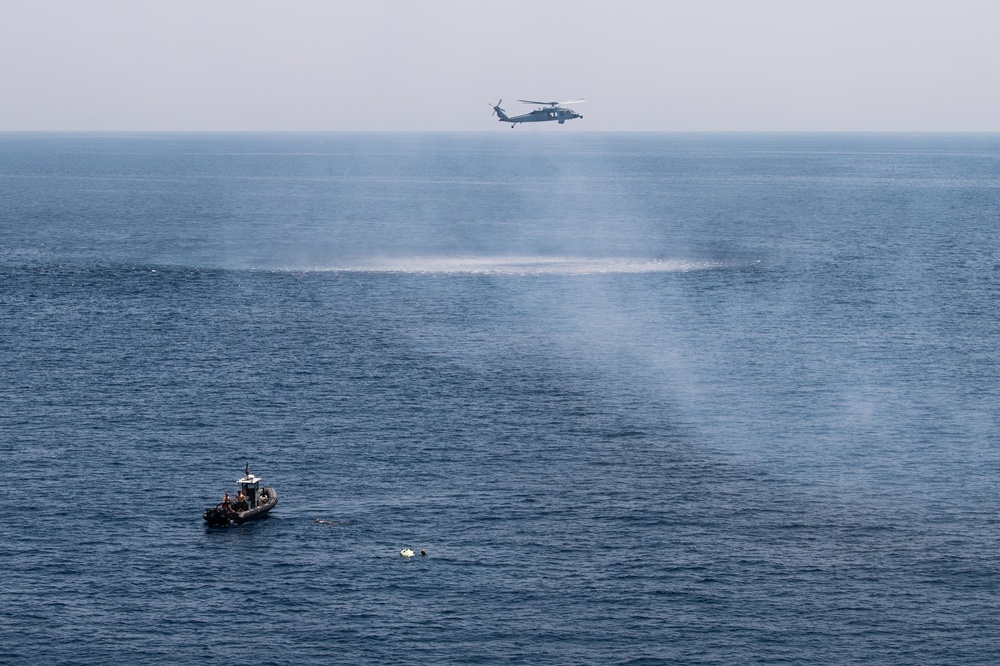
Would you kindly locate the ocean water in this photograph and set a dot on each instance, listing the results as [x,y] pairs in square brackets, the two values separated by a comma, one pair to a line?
[642,398]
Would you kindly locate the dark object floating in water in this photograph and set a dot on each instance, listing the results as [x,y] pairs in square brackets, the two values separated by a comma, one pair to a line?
[256,503]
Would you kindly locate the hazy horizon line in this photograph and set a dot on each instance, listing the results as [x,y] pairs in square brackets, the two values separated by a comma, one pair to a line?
[484,131]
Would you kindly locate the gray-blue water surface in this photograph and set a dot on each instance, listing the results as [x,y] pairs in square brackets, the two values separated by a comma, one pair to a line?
[641,398]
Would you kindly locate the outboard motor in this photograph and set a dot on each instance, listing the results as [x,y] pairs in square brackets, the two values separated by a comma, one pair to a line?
[216,516]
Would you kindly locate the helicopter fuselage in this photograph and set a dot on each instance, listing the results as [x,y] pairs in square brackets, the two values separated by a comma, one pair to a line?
[558,114]
[547,113]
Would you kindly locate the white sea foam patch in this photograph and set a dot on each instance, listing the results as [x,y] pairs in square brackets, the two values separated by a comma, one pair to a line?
[528,265]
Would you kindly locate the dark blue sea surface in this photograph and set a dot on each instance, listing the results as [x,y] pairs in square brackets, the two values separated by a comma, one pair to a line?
[642,398]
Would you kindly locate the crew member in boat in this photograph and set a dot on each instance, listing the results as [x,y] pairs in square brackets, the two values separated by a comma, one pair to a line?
[225,503]
[241,502]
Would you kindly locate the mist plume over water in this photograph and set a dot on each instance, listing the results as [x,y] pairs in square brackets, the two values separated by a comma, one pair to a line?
[526,266]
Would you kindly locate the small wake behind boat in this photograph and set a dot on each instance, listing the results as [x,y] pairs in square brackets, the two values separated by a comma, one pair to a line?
[252,502]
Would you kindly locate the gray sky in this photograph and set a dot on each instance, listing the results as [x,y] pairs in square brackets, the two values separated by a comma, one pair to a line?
[791,65]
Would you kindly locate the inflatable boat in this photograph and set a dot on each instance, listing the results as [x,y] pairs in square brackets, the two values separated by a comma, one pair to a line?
[259,501]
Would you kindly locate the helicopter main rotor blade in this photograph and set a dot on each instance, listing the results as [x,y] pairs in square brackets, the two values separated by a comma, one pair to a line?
[572,101]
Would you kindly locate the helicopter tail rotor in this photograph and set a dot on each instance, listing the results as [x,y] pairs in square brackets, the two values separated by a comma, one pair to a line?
[498,112]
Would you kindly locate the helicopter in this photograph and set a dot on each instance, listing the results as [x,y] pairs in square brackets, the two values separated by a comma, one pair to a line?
[548,111]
